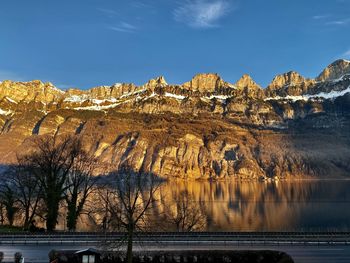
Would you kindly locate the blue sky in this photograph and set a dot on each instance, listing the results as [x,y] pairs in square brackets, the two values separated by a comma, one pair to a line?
[84,43]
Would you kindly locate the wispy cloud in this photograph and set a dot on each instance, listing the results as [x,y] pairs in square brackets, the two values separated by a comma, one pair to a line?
[319,17]
[140,4]
[123,27]
[202,13]
[109,12]
[346,54]
[336,23]
[339,22]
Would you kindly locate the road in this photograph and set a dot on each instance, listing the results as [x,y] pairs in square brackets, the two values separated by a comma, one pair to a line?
[300,254]
[303,247]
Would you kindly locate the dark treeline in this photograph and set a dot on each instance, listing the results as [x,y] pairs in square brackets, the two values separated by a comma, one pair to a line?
[55,171]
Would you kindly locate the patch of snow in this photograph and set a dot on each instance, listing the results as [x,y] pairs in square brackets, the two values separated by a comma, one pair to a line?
[132,93]
[58,90]
[11,100]
[330,95]
[4,112]
[99,108]
[292,98]
[117,85]
[232,86]
[323,95]
[85,97]
[220,97]
[96,101]
[339,79]
[76,98]
[152,95]
[175,96]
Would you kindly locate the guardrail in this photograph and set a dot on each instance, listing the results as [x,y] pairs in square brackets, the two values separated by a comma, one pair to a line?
[177,238]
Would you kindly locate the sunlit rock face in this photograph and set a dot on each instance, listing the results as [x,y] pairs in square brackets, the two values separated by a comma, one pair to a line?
[206,128]
[335,70]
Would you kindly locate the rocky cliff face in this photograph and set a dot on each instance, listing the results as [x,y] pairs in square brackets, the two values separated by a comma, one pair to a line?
[335,70]
[204,128]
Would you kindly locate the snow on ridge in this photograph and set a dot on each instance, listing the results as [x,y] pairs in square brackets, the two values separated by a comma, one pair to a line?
[85,97]
[323,95]
[99,107]
[175,96]
[132,93]
[340,78]
[11,100]
[57,89]
[220,97]
[97,101]
[331,95]
[231,86]
[117,85]
[3,112]
[76,98]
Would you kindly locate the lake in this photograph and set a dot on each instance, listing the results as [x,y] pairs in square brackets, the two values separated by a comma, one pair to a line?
[298,205]
[301,205]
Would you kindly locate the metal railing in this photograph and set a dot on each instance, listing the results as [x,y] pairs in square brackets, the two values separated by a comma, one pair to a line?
[167,238]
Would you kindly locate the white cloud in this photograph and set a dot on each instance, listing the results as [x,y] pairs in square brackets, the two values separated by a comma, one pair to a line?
[124,27]
[201,13]
[340,22]
[319,17]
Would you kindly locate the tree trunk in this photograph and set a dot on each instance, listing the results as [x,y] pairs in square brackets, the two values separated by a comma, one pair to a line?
[129,250]
[52,213]
[72,217]
[26,219]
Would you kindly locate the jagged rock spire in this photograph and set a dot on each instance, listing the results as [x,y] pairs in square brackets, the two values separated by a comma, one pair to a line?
[335,70]
[246,81]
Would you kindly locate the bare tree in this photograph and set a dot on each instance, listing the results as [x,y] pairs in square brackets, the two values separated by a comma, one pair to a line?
[8,198]
[51,161]
[104,208]
[2,217]
[80,183]
[185,215]
[135,196]
[28,192]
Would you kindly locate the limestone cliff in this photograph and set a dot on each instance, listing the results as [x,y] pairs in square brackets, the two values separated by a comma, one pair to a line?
[206,128]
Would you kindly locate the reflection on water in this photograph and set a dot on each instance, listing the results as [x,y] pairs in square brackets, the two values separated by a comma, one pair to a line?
[264,206]
[270,206]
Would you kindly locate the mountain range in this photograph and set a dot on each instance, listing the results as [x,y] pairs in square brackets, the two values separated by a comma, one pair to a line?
[205,128]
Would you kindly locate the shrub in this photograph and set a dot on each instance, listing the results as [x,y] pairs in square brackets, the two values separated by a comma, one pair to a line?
[18,257]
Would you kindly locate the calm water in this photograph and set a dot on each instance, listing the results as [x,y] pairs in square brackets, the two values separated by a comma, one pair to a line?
[305,205]
[271,206]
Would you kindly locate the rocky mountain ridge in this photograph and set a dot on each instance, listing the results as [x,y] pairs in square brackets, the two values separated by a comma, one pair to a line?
[204,128]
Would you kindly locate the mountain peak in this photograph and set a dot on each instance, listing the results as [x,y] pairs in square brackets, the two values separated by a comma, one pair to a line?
[156,82]
[204,82]
[288,78]
[30,90]
[246,81]
[335,70]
